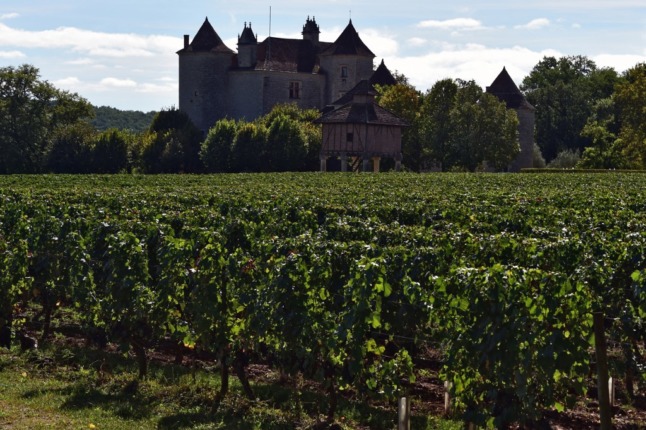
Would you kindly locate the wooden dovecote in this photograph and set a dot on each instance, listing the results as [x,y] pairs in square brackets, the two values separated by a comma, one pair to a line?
[362,131]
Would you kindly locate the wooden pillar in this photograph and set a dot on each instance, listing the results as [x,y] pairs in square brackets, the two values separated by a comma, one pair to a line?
[344,162]
[323,159]
[398,162]
[375,164]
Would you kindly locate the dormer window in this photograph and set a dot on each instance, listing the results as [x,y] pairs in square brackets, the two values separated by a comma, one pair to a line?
[344,71]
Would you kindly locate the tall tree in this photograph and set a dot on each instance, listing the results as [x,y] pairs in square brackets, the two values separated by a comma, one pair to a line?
[405,101]
[110,151]
[249,147]
[215,151]
[563,91]
[497,132]
[180,130]
[286,145]
[617,128]
[602,129]
[71,149]
[631,101]
[436,128]
[464,128]
[463,146]
[31,110]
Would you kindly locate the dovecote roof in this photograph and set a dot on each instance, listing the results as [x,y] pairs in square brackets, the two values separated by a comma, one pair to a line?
[362,110]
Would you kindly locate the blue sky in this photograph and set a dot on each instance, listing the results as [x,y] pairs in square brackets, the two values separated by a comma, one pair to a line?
[122,53]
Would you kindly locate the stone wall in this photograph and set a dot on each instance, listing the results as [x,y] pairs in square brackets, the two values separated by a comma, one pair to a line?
[358,68]
[276,89]
[245,95]
[203,87]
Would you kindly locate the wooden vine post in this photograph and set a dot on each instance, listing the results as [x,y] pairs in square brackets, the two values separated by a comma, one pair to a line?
[603,391]
[404,414]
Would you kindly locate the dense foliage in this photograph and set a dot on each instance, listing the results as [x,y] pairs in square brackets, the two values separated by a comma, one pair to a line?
[106,117]
[32,112]
[346,278]
[563,92]
[617,127]
[284,140]
[453,126]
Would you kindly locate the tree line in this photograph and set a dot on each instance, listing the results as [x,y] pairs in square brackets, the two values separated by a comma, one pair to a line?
[586,116]
[453,126]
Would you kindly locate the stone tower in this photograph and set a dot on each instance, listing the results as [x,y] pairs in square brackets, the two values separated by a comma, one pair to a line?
[506,90]
[347,61]
[203,66]
[247,48]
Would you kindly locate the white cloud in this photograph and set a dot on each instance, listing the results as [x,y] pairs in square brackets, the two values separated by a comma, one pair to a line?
[469,62]
[416,41]
[535,24]
[592,4]
[382,44]
[90,42]
[618,62]
[452,24]
[67,83]
[117,83]
[12,54]
[80,62]
[168,88]
[9,16]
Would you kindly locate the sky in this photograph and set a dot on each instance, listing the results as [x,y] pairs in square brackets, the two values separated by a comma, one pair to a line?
[123,53]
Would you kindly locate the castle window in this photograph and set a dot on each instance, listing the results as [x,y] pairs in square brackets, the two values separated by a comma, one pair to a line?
[294,90]
[344,71]
[349,137]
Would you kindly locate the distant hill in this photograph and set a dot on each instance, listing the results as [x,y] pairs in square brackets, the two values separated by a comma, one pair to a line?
[108,117]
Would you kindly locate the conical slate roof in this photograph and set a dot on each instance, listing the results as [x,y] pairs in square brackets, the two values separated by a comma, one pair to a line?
[247,37]
[349,43]
[382,76]
[506,90]
[207,39]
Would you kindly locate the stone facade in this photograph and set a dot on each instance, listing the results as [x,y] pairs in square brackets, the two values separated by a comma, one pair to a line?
[215,82]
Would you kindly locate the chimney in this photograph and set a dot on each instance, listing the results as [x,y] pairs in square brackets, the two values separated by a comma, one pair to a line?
[185,41]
